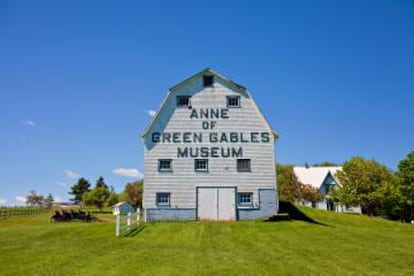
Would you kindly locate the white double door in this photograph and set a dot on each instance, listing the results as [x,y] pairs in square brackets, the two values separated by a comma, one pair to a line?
[216,203]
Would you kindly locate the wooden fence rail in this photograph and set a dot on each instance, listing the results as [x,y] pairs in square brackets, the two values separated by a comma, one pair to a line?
[131,219]
[16,212]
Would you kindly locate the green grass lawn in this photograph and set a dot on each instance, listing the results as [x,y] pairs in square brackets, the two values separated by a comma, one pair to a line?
[346,245]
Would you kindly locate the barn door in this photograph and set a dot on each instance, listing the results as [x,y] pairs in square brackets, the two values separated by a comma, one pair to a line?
[216,203]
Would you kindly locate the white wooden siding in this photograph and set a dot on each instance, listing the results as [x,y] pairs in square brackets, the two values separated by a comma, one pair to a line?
[181,182]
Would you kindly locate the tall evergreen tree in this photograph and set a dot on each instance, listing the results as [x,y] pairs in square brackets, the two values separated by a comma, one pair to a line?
[77,190]
[101,183]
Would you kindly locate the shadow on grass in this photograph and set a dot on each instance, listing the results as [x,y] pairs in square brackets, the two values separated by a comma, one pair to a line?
[135,230]
[288,211]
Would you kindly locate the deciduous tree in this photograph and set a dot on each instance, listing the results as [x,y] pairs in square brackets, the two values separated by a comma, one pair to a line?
[405,182]
[288,184]
[97,196]
[133,193]
[365,183]
[34,199]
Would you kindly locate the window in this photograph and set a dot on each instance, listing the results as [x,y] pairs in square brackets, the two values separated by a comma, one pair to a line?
[183,101]
[245,199]
[163,199]
[208,81]
[233,101]
[164,165]
[201,165]
[243,165]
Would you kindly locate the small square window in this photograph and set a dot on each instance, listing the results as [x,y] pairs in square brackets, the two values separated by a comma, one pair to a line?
[201,165]
[245,199]
[183,101]
[164,165]
[243,165]
[233,101]
[208,81]
[163,199]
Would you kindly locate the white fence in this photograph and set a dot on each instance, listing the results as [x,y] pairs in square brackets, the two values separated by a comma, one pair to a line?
[126,222]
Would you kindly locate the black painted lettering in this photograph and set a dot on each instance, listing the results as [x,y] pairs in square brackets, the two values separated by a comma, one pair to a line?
[224,113]
[225,152]
[214,113]
[176,137]
[234,137]
[182,153]
[187,137]
[213,137]
[166,137]
[204,152]
[197,137]
[194,152]
[193,114]
[265,137]
[237,153]
[223,138]
[243,139]
[254,137]
[214,152]
[156,137]
[203,113]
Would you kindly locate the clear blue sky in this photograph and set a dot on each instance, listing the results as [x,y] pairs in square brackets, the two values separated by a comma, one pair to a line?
[77,79]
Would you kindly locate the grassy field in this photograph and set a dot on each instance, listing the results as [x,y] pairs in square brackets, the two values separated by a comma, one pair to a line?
[344,245]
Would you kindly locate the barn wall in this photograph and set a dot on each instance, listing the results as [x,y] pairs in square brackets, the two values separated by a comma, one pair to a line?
[183,179]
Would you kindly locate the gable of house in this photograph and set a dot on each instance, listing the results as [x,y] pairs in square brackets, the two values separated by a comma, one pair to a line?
[318,177]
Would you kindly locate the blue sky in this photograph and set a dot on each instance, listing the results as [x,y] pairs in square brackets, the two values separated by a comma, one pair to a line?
[77,79]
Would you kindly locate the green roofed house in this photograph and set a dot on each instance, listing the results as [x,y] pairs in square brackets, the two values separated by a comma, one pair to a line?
[209,154]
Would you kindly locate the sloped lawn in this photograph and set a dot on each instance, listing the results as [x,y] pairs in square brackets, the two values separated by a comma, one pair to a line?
[344,245]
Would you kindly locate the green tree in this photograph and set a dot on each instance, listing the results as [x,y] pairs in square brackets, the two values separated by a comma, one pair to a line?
[288,184]
[48,202]
[97,196]
[101,183]
[405,182]
[310,194]
[133,193]
[34,199]
[366,183]
[113,199]
[326,164]
[77,190]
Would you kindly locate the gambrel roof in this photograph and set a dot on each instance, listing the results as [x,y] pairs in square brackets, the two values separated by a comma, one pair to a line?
[207,71]
[315,176]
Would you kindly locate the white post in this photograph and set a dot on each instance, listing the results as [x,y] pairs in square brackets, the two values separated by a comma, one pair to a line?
[118,225]
[138,214]
[129,219]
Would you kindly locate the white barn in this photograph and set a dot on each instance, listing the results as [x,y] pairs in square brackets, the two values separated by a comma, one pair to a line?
[209,154]
[323,179]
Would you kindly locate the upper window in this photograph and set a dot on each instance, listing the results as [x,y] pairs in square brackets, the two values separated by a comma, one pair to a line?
[208,81]
[233,101]
[201,165]
[163,199]
[164,165]
[183,101]
[245,199]
[243,165]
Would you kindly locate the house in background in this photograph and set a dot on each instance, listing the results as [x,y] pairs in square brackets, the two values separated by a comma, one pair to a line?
[209,154]
[323,179]
[122,207]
